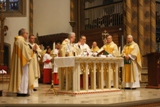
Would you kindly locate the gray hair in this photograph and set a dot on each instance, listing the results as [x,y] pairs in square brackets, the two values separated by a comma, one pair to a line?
[70,34]
[21,31]
[130,36]
[108,36]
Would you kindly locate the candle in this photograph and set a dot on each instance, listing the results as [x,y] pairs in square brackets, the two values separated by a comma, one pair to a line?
[53,47]
[119,50]
[122,41]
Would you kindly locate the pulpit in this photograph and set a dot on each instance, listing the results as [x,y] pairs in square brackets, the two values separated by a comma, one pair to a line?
[70,69]
[153,70]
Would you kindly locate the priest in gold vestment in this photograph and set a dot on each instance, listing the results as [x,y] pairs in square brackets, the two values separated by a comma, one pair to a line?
[21,80]
[109,49]
[131,74]
[94,48]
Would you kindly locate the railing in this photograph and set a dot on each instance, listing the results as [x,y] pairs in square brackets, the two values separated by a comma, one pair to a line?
[158,13]
[104,16]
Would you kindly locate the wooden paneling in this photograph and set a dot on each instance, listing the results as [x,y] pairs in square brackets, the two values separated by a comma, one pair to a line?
[47,40]
[96,35]
[153,70]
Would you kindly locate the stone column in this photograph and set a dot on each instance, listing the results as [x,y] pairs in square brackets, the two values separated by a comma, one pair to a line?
[31,17]
[2,19]
[141,35]
[139,21]
[134,24]
[124,17]
[128,17]
[72,14]
[153,25]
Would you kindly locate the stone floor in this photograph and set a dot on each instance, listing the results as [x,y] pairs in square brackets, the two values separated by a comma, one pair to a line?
[112,99]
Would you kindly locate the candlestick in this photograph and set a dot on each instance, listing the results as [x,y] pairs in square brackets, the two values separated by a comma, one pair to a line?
[53,47]
[119,50]
[122,41]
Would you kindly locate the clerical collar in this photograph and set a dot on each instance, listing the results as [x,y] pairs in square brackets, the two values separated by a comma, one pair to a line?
[31,43]
[130,43]
[109,43]
[82,44]
[94,47]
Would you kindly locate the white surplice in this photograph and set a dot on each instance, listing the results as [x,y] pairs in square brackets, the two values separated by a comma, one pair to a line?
[82,50]
[23,89]
[56,68]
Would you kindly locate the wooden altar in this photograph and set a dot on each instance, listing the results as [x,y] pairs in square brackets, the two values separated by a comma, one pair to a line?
[70,69]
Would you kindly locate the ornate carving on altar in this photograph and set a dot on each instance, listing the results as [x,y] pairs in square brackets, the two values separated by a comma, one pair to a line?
[89,67]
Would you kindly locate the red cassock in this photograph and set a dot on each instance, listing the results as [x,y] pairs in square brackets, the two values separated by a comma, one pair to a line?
[47,73]
[47,69]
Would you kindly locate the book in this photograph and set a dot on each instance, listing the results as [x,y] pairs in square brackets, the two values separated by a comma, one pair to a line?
[127,61]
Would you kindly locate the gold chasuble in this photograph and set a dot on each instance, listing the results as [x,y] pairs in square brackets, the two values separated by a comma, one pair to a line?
[21,56]
[111,48]
[95,49]
[132,68]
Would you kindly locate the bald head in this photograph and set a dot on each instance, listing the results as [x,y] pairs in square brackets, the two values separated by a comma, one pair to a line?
[129,38]
[94,44]
[70,34]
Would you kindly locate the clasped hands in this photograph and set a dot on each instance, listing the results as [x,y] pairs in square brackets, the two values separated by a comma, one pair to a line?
[35,47]
[127,57]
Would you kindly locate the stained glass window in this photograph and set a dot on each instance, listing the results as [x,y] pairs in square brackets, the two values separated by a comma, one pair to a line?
[12,8]
[3,4]
[9,5]
[13,5]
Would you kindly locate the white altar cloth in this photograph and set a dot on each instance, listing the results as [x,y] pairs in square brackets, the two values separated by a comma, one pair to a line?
[77,62]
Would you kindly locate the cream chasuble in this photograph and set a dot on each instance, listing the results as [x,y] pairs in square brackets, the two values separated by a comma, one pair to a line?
[67,48]
[131,74]
[34,64]
[21,57]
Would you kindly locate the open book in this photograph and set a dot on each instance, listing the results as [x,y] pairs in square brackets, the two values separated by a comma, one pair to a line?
[102,51]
